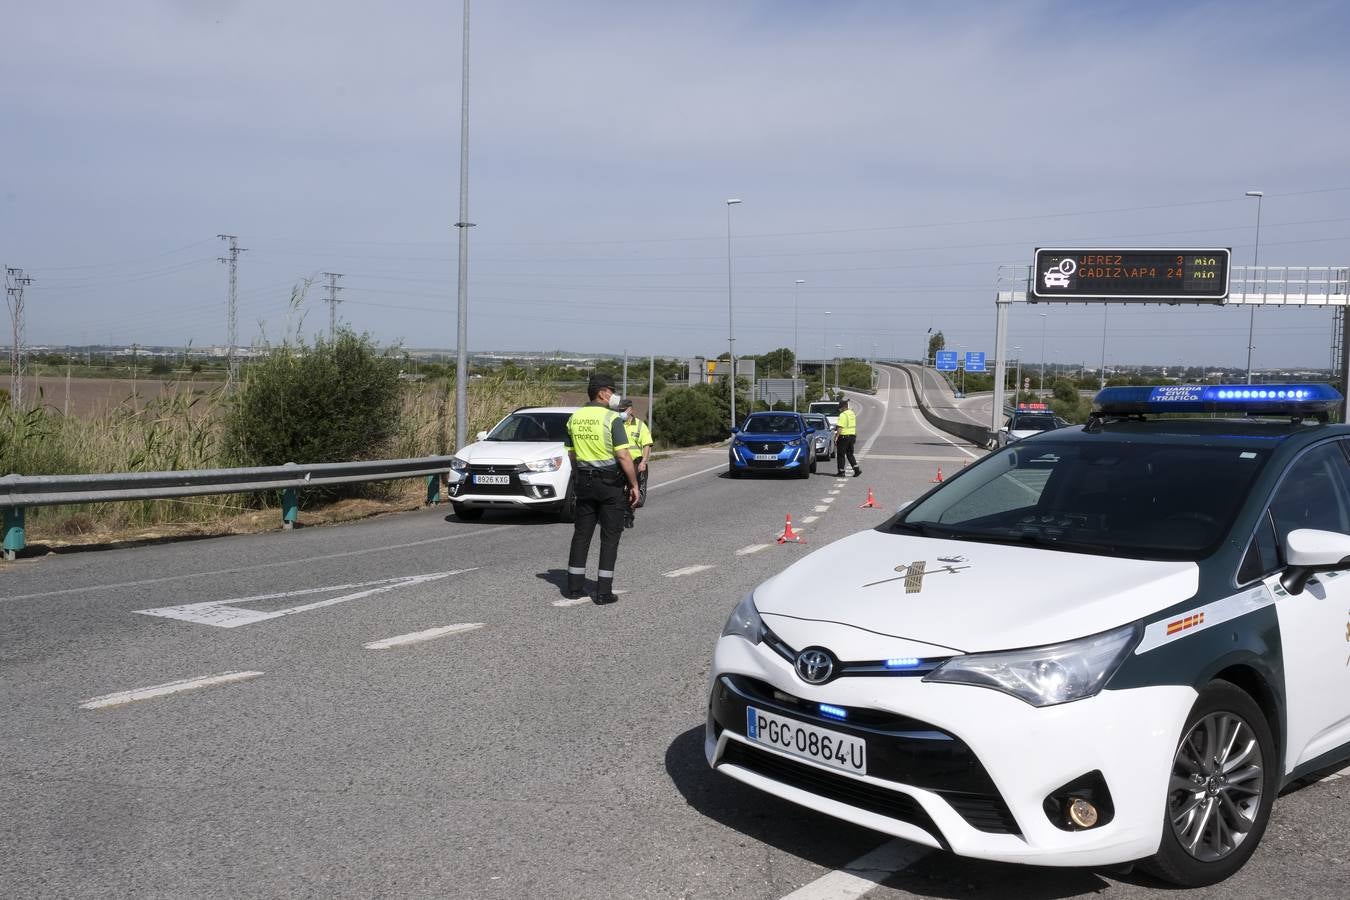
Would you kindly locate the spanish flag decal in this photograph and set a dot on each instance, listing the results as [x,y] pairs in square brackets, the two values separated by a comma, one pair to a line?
[1182,624]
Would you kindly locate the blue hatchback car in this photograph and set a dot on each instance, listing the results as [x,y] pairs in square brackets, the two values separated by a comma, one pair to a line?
[772,442]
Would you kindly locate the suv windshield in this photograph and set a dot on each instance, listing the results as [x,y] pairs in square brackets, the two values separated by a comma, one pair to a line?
[1137,500]
[825,409]
[770,424]
[531,426]
[1033,422]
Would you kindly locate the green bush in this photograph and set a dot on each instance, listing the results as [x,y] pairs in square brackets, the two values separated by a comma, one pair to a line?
[31,443]
[693,415]
[336,402]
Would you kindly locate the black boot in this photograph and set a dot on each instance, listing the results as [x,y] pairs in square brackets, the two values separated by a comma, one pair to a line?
[576,586]
[604,591]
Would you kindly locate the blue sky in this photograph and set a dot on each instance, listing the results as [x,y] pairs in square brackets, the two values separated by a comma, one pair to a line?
[891,155]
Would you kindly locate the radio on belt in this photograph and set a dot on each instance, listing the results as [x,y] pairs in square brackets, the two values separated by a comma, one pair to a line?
[1298,400]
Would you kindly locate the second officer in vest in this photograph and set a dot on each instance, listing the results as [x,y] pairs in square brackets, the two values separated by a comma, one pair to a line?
[606,485]
[847,429]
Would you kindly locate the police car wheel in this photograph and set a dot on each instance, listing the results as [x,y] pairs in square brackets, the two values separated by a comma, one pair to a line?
[467,513]
[1221,789]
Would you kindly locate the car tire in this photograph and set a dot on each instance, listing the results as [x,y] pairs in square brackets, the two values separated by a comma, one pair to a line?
[467,513]
[567,510]
[1220,707]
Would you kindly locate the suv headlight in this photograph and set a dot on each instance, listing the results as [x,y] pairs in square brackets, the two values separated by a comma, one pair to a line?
[795,442]
[1045,676]
[458,464]
[552,464]
[745,621]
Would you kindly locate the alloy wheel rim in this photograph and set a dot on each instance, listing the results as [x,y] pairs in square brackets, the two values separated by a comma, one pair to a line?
[1216,787]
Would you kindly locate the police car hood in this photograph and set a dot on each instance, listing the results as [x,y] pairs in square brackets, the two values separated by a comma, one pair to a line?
[965,596]
[510,453]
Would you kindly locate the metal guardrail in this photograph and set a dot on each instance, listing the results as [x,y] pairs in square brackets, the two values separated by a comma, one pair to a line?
[18,492]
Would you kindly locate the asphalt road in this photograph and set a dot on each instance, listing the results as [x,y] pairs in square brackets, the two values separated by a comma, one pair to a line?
[551,751]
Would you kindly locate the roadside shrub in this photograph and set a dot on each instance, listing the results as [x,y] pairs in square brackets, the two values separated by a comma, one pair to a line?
[693,415]
[31,443]
[338,401]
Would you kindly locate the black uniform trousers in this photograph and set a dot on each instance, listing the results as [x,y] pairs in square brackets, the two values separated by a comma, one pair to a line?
[845,451]
[600,499]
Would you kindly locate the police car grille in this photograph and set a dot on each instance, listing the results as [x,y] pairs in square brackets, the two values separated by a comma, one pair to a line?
[840,788]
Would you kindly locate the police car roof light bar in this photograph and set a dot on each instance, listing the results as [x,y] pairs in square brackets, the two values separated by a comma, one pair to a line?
[1294,400]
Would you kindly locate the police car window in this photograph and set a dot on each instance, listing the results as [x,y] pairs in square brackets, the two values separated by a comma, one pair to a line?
[1263,553]
[1313,494]
[1034,423]
[1131,499]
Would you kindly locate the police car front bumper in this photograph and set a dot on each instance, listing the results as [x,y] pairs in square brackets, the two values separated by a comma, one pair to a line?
[970,770]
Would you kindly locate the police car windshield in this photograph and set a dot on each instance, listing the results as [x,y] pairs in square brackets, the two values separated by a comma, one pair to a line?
[1033,422]
[1130,499]
[769,424]
[531,427]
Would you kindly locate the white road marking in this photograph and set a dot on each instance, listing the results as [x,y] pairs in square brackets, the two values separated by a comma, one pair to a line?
[687,570]
[653,487]
[753,548]
[418,637]
[827,499]
[821,508]
[863,874]
[160,690]
[225,614]
[905,458]
[577,601]
[832,493]
[809,519]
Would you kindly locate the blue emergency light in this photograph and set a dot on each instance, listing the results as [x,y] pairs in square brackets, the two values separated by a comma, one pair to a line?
[1246,399]
[834,712]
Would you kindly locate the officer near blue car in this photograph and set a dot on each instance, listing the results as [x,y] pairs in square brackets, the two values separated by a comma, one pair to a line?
[606,485]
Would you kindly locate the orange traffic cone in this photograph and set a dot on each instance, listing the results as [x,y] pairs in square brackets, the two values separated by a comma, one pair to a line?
[789,535]
[871,501]
[937,479]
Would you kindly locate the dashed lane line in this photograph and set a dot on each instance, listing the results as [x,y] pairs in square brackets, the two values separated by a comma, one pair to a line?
[687,570]
[809,519]
[121,698]
[863,874]
[832,493]
[821,508]
[753,548]
[827,499]
[418,637]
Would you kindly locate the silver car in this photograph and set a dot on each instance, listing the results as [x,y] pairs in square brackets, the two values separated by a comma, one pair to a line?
[824,436]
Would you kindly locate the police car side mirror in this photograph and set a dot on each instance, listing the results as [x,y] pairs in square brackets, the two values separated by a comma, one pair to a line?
[1308,551]
[482,435]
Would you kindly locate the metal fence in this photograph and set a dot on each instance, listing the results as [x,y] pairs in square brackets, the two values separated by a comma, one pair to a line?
[19,492]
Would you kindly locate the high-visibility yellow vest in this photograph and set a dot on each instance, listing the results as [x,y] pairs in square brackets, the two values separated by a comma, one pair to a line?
[848,423]
[594,432]
[639,436]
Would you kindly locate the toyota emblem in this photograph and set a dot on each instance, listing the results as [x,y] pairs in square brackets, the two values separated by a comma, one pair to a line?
[815,666]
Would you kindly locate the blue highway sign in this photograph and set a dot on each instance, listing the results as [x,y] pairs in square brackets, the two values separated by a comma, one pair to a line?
[975,361]
[945,361]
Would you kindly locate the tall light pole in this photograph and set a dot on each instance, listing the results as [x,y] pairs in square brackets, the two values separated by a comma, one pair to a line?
[824,357]
[796,366]
[838,351]
[1041,392]
[1017,383]
[731,319]
[462,341]
[1106,311]
[1256,254]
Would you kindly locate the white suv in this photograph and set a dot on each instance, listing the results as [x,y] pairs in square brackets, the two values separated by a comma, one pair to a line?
[520,464]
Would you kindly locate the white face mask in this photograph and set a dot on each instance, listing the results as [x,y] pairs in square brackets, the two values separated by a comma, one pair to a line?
[614,399]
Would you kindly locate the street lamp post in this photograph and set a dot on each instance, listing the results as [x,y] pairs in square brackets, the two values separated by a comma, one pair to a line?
[824,354]
[731,319]
[1017,383]
[796,366]
[1041,392]
[838,351]
[1256,254]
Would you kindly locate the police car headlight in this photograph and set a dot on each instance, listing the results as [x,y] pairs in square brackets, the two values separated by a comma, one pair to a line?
[745,621]
[552,464]
[458,464]
[1045,676]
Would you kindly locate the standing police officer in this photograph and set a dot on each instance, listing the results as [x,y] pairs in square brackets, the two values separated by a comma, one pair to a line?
[606,485]
[640,446]
[847,429]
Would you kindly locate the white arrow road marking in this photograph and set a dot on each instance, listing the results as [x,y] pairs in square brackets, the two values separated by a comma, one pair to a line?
[863,874]
[418,637]
[225,614]
[687,570]
[753,548]
[159,690]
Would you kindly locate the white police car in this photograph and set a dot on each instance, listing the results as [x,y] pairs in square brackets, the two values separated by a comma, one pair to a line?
[520,464]
[1103,644]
